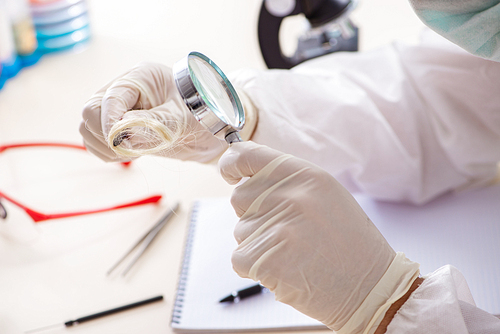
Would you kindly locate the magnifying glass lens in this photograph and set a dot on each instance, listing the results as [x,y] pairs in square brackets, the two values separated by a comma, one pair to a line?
[210,96]
[213,90]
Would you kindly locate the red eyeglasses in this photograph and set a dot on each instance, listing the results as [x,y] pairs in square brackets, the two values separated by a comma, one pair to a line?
[38,216]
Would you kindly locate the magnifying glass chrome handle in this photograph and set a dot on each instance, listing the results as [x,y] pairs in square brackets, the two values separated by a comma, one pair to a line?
[233,137]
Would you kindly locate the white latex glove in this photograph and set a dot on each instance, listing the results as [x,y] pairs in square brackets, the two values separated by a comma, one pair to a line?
[150,91]
[303,236]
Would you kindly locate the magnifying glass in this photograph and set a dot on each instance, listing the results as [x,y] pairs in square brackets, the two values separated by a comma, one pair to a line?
[210,96]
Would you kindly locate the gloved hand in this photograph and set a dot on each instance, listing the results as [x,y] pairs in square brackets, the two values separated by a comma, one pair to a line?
[303,236]
[148,91]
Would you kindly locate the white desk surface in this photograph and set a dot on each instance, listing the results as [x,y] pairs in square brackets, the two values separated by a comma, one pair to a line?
[59,273]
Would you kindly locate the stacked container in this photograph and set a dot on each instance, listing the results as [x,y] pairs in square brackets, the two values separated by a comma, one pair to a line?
[60,24]
[9,61]
[24,31]
[31,28]
[18,44]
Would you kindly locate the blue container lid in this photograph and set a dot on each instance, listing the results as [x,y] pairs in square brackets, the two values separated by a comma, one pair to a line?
[28,60]
[62,15]
[11,67]
[63,28]
[2,78]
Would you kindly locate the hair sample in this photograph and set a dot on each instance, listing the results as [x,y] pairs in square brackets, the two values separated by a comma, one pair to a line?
[140,134]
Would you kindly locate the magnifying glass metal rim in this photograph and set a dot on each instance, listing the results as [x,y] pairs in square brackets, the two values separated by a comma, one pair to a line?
[199,108]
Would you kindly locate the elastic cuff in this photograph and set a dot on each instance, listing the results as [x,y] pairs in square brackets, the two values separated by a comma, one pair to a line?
[251,116]
[396,281]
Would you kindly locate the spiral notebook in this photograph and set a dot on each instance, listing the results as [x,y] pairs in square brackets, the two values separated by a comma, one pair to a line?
[207,276]
[458,229]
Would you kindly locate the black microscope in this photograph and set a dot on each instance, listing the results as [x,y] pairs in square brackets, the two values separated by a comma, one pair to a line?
[329,29]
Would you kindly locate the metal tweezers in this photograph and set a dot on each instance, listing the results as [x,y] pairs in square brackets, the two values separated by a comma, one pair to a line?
[145,241]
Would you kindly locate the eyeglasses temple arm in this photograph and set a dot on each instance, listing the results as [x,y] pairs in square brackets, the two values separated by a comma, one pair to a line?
[39,217]
[8,146]
[51,144]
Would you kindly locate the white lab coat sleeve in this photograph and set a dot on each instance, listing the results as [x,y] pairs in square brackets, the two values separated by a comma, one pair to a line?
[400,123]
[443,304]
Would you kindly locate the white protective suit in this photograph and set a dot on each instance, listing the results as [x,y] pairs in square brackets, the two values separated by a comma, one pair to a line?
[429,114]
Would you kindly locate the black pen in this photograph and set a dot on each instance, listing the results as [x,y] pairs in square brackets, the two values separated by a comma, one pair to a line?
[236,296]
[101,314]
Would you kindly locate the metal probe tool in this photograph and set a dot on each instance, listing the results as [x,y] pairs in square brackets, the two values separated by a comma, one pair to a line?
[145,241]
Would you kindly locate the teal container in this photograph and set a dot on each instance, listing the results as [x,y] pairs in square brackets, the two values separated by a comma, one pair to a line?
[61,25]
